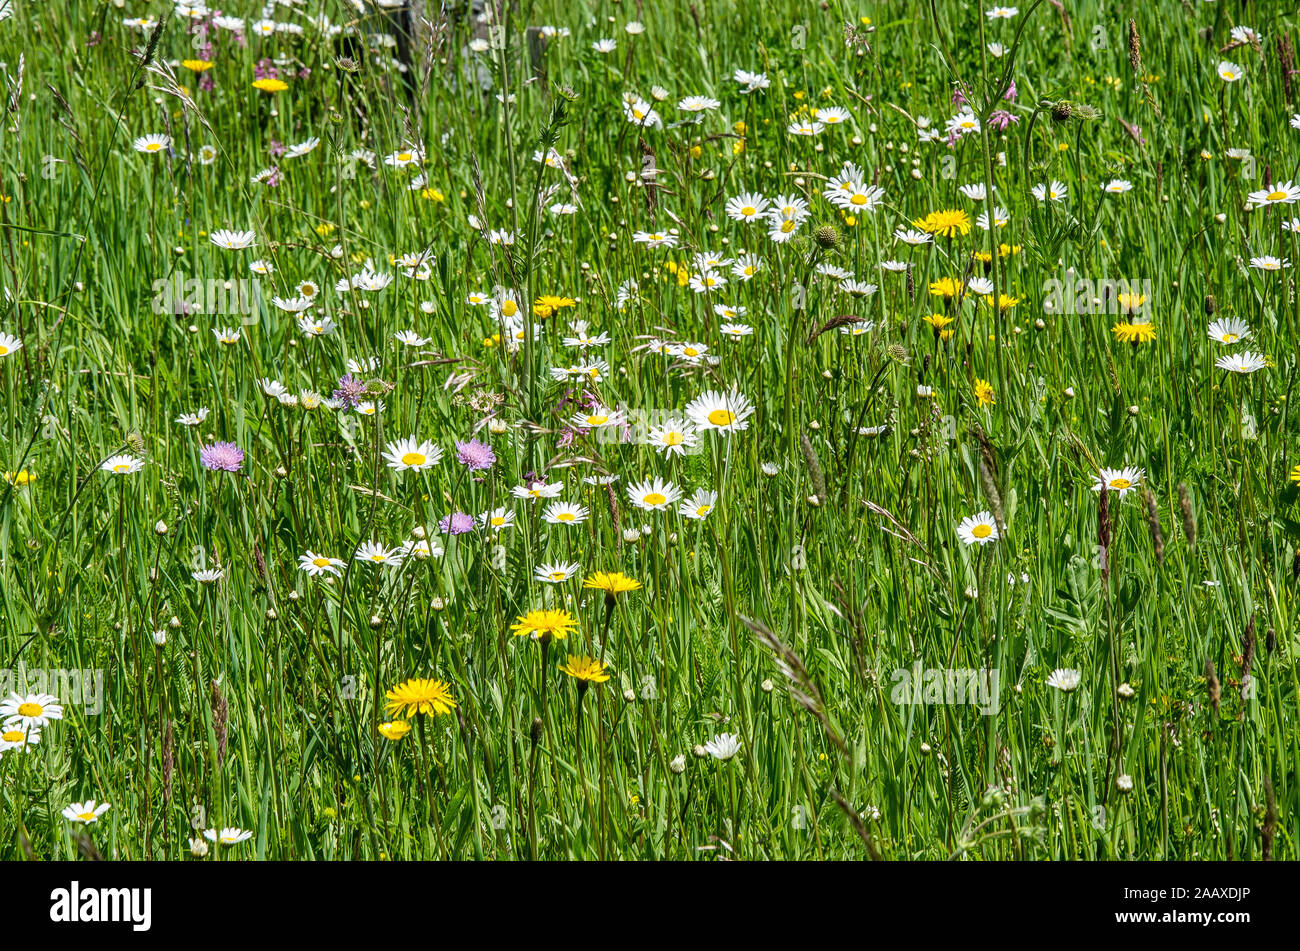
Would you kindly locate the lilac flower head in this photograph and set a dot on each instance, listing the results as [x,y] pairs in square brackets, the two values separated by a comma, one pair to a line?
[958,97]
[350,391]
[1011,92]
[475,455]
[457,523]
[222,457]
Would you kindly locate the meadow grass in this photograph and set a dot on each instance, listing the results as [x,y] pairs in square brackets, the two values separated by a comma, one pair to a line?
[1075,494]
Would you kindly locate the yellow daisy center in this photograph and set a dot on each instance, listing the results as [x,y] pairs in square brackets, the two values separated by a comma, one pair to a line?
[30,710]
[1120,483]
[1276,196]
[749,210]
[722,417]
[982,531]
[321,562]
[12,736]
[655,498]
[413,459]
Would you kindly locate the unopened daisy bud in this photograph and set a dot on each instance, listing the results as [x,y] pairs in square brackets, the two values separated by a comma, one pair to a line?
[417,532]
[925,749]
[1126,691]
[971,593]
[294,596]
[630,535]
[498,426]
[699,750]
[198,848]
[1133,410]
[814,501]
[376,621]
[160,638]
[1124,783]
[629,695]
[270,614]
[678,763]
[1069,392]
[437,604]
[1039,324]
[766,686]
[281,472]
[174,622]
[160,527]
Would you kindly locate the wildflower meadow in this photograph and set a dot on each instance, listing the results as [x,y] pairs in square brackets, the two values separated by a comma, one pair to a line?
[693,431]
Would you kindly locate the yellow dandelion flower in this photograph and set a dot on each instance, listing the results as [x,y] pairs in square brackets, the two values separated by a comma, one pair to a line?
[419,695]
[947,222]
[545,624]
[585,670]
[394,729]
[1134,333]
[946,287]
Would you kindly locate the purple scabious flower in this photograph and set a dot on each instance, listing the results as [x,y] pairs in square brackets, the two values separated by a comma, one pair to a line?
[457,523]
[1001,119]
[350,391]
[222,457]
[475,455]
